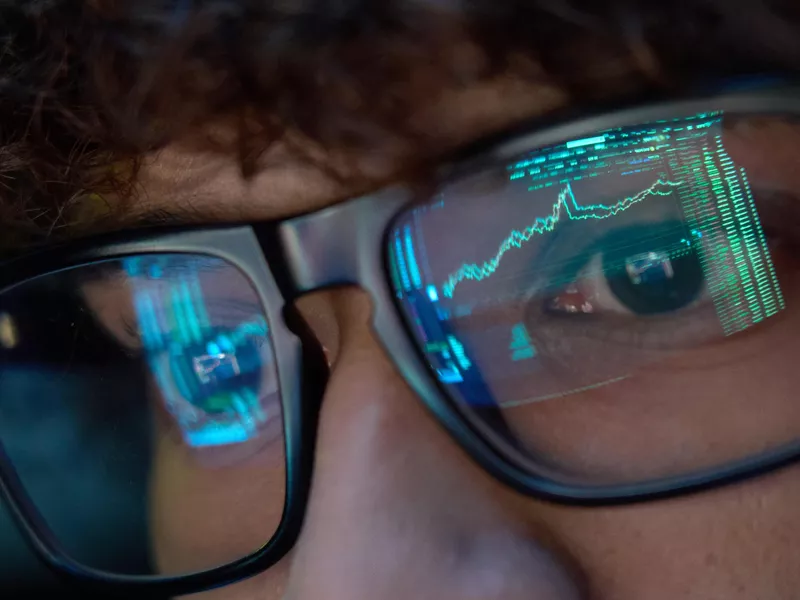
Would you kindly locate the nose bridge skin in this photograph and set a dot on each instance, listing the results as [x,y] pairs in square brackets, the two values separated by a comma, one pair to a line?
[397,510]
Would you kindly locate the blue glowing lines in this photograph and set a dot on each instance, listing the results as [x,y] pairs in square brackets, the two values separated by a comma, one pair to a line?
[400,260]
[210,372]
[413,267]
[566,204]
[246,405]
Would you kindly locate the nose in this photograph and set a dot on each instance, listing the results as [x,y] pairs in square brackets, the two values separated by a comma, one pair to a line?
[396,510]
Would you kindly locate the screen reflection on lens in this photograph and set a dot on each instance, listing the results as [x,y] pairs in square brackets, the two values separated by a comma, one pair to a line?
[209,352]
[566,282]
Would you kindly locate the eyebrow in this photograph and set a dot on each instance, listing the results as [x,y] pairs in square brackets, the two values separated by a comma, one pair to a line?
[156,218]
[182,214]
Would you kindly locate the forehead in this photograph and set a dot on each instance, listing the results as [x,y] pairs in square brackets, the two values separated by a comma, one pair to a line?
[451,72]
[196,186]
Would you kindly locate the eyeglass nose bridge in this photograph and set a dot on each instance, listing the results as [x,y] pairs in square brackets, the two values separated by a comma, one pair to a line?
[343,244]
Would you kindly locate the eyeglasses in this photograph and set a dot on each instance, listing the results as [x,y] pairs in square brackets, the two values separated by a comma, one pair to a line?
[599,312]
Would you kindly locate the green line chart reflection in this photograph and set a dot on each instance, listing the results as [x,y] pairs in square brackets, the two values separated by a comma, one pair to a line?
[565,204]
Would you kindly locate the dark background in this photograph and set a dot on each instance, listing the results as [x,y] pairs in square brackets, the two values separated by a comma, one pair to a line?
[74,420]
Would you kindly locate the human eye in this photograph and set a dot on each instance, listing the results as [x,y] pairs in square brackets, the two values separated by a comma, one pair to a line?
[155,373]
[640,286]
[205,340]
[637,271]
[618,290]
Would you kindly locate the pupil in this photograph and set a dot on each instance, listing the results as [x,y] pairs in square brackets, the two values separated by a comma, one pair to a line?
[659,272]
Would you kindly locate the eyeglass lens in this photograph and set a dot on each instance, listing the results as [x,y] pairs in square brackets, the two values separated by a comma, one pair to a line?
[619,307]
[139,402]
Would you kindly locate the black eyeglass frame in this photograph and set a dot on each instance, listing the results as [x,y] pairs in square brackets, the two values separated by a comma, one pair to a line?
[345,245]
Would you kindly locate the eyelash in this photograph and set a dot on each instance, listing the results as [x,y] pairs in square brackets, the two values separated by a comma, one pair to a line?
[622,241]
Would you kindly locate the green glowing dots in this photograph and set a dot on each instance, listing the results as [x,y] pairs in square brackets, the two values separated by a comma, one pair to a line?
[565,205]
[733,251]
[459,352]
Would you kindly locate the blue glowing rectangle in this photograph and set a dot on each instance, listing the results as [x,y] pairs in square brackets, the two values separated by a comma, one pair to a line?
[586,142]
[523,354]
[217,436]
[450,375]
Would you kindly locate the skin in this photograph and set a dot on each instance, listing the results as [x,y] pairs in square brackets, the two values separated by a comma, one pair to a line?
[397,509]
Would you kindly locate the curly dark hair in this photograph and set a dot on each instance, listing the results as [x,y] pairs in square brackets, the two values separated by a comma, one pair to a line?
[88,86]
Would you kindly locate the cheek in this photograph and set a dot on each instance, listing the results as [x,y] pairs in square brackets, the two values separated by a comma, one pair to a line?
[204,515]
[693,410]
[672,418]
[270,585]
[737,543]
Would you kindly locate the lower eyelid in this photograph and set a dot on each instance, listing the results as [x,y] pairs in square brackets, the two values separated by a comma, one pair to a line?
[689,328]
[592,285]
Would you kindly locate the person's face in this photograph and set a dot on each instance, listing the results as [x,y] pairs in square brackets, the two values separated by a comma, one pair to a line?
[397,510]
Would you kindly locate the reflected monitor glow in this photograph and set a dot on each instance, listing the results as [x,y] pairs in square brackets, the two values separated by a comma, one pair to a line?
[208,352]
[654,220]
